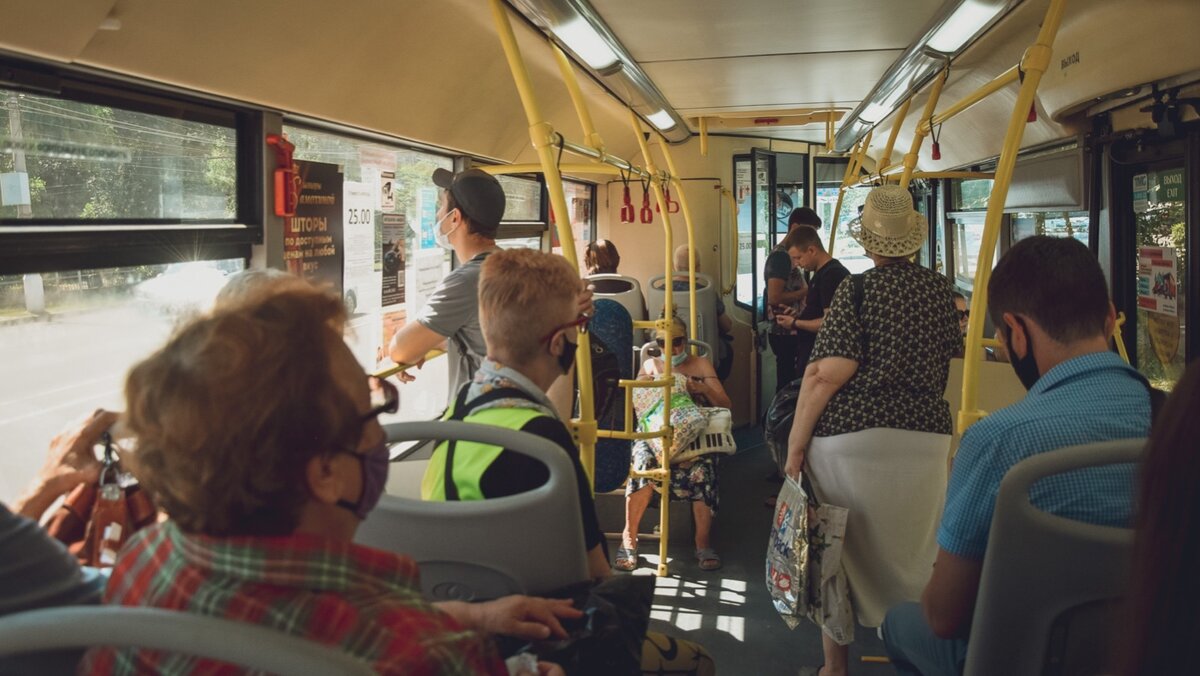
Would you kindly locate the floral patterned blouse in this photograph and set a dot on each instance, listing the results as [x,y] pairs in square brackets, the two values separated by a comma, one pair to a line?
[902,337]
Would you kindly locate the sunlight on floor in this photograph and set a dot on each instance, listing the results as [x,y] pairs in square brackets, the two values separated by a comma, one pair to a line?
[670,593]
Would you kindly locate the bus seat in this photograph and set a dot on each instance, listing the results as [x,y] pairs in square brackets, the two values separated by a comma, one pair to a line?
[998,387]
[631,297]
[652,349]
[706,302]
[239,643]
[1048,582]
[485,549]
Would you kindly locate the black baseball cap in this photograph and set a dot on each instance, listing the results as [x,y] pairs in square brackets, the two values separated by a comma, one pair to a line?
[477,193]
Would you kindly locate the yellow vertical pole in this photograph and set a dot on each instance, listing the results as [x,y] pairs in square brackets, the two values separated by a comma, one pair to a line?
[837,209]
[733,243]
[1117,336]
[541,134]
[590,135]
[1034,63]
[886,159]
[861,158]
[691,238]
[664,485]
[910,160]
[703,136]
[829,133]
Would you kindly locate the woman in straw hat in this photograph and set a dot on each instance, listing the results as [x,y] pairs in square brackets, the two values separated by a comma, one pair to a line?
[871,422]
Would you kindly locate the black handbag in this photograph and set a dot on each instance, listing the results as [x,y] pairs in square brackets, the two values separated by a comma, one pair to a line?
[607,640]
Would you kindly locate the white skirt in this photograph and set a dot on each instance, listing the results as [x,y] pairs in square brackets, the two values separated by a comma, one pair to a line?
[894,484]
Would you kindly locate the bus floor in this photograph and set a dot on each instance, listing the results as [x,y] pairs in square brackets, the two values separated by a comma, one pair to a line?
[729,611]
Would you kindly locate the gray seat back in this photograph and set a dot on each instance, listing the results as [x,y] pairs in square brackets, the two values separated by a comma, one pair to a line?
[706,306]
[1039,568]
[631,298]
[531,543]
[246,645]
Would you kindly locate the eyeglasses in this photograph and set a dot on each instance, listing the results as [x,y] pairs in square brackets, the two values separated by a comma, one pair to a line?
[963,314]
[385,398]
[677,341]
[580,323]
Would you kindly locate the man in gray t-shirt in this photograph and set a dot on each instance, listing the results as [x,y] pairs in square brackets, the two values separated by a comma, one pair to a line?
[470,207]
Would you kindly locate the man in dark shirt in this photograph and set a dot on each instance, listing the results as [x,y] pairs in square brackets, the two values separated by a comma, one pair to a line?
[786,290]
[803,246]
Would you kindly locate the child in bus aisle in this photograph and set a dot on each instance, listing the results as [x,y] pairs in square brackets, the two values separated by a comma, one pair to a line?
[1164,589]
[531,306]
[264,507]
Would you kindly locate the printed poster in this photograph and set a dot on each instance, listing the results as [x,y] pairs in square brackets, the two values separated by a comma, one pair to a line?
[387,191]
[1158,280]
[313,238]
[427,205]
[362,247]
[393,259]
[392,322]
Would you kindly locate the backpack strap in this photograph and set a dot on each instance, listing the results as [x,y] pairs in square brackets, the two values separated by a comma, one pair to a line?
[459,413]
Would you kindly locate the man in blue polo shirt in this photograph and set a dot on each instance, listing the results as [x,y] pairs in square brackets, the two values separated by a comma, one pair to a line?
[1049,299]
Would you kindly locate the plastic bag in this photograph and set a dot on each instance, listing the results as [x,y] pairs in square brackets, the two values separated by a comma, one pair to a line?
[777,422]
[687,420]
[804,562]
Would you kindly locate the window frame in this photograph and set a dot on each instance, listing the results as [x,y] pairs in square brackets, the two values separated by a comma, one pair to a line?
[58,245]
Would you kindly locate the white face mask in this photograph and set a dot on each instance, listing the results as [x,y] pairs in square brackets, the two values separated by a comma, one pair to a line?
[442,238]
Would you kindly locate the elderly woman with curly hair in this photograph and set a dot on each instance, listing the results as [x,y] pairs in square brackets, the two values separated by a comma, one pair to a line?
[258,434]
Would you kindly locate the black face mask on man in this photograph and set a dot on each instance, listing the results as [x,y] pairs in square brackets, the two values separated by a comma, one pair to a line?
[567,359]
[1026,367]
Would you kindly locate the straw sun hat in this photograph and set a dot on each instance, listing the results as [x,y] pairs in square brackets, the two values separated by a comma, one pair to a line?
[889,226]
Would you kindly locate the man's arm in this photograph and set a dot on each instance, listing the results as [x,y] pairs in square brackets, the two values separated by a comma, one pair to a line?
[411,342]
[776,295]
[949,597]
[810,325]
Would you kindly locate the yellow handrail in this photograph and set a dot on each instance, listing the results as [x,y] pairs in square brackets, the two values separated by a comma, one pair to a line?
[1118,338]
[590,135]
[1034,63]
[542,135]
[691,241]
[886,159]
[996,84]
[910,159]
[564,168]
[400,368]
[837,209]
[664,485]
[733,235]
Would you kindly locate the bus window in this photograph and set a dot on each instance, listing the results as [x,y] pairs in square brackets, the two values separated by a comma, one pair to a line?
[389,233]
[966,229]
[1160,227]
[70,337]
[80,162]
[581,201]
[1051,223]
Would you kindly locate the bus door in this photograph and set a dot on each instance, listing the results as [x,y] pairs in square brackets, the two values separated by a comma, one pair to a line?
[1154,187]
[763,226]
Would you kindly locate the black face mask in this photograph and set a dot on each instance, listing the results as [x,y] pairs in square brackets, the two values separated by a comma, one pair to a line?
[1026,367]
[567,359]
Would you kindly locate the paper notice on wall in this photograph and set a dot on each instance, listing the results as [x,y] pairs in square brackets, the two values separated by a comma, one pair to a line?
[312,239]
[430,267]
[394,231]
[387,191]
[392,322]
[1158,280]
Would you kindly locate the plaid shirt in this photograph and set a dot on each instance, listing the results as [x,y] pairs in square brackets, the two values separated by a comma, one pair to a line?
[365,601]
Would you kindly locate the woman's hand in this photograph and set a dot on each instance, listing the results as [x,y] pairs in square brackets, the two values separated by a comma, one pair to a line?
[526,617]
[69,462]
[795,463]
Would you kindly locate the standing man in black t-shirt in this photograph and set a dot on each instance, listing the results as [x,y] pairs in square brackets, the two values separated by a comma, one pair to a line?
[803,246]
[786,291]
